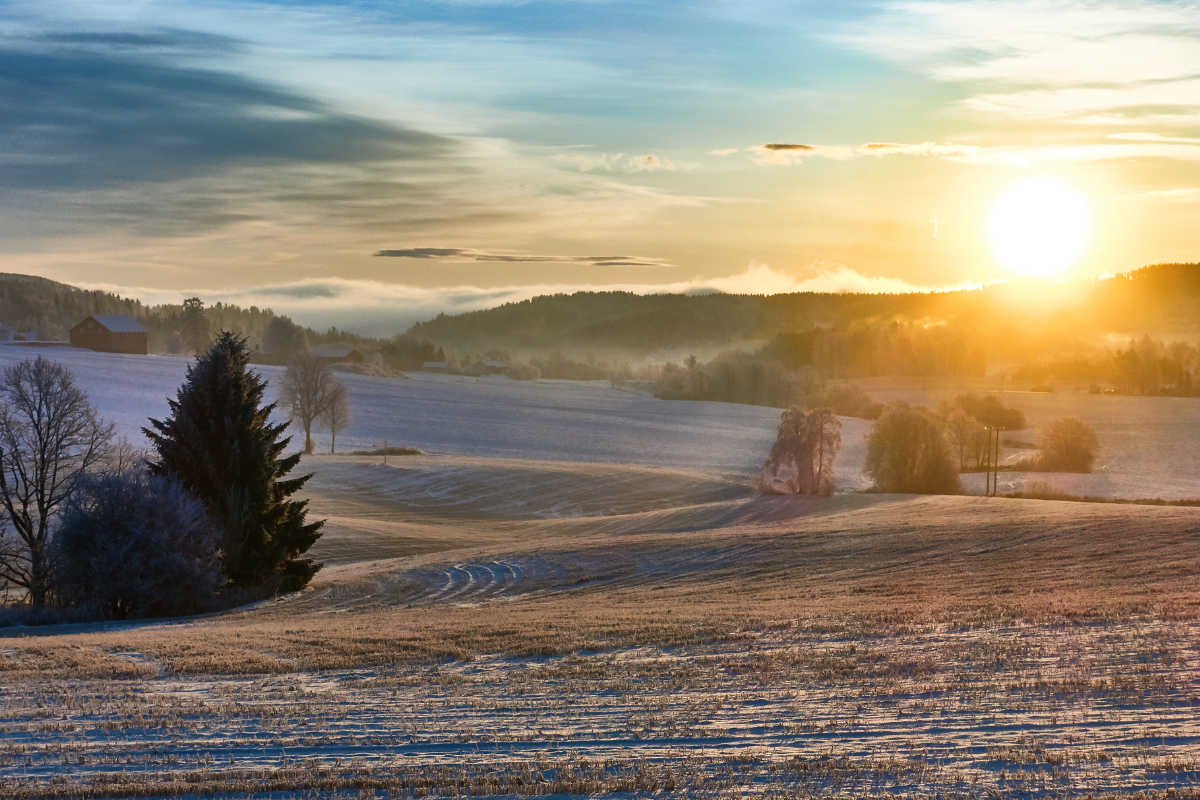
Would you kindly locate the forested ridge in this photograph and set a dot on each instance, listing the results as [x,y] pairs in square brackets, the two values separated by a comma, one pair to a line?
[51,308]
[1141,301]
[776,339]
[627,321]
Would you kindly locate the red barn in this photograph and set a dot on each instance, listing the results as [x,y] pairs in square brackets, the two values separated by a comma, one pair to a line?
[111,333]
[337,354]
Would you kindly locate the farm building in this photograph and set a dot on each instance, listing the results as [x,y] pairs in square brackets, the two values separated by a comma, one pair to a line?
[111,333]
[6,333]
[488,366]
[337,354]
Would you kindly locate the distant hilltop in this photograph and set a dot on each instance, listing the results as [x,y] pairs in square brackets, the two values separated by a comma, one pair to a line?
[1158,299]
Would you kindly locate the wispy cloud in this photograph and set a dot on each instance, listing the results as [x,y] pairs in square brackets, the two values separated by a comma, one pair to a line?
[1115,148]
[81,112]
[1166,195]
[466,255]
[255,131]
[1087,153]
[1094,104]
[1155,137]
[1053,59]
[788,154]
[384,309]
[616,162]
[785,154]
[949,149]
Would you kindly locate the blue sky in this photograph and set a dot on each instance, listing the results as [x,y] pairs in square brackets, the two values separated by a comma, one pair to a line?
[266,152]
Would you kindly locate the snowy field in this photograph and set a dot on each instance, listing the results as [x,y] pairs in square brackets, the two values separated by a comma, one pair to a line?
[452,415]
[1146,443]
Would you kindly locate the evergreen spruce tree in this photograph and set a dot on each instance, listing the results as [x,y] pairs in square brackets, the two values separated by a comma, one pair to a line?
[219,442]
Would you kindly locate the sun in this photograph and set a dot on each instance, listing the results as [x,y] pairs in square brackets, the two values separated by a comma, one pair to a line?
[1039,227]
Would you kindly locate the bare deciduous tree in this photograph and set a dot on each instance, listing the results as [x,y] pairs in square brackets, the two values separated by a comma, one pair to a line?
[968,439]
[50,438]
[306,390]
[336,415]
[801,460]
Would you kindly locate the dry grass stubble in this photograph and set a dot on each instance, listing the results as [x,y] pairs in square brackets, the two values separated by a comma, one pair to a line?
[789,647]
[863,563]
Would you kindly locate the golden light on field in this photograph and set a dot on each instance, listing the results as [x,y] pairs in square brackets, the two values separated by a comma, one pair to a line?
[1039,226]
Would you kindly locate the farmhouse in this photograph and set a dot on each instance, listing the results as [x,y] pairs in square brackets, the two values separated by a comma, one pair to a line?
[110,333]
[337,354]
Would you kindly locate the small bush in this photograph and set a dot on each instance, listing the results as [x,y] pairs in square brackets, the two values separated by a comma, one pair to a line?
[1040,490]
[131,545]
[907,452]
[389,451]
[1067,445]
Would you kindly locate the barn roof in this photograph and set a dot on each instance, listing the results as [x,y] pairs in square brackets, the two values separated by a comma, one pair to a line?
[119,323]
[332,350]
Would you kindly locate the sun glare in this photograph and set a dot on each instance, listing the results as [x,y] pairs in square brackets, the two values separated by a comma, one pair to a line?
[1039,227]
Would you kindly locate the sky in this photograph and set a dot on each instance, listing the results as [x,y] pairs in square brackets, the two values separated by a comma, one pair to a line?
[367,164]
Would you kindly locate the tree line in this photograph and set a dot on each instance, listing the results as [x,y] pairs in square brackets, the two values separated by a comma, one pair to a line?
[997,323]
[204,520]
[1147,367]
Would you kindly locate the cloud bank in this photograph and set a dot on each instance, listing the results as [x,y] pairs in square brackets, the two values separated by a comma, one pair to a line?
[465,255]
[384,309]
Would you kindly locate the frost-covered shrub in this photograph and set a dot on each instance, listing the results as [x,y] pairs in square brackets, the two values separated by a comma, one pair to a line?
[1067,445]
[907,452]
[131,545]
[801,460]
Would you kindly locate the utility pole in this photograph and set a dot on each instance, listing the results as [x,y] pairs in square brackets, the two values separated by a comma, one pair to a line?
[992,475]
[987,464]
